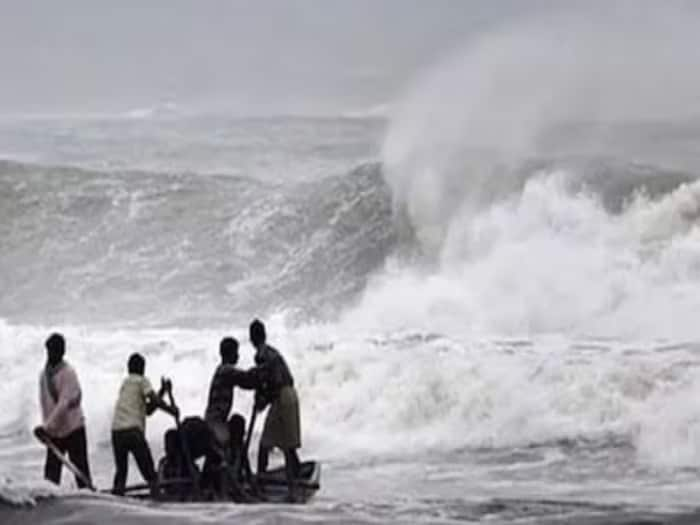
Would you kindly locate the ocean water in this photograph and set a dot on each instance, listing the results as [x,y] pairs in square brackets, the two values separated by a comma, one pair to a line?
[489,305]
[527,354]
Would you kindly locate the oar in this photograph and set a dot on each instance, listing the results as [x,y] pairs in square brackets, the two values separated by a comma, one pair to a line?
[243,459]
[46,440]
[185,449]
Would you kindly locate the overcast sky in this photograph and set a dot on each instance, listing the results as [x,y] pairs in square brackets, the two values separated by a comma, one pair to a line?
[245,55]
[257,55]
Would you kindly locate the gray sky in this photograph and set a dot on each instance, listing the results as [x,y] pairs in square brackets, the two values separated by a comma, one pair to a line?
[249,56]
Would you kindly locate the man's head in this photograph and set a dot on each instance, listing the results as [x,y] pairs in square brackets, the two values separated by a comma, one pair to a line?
[55,348]
[228,348]
[137,364]
[257,333]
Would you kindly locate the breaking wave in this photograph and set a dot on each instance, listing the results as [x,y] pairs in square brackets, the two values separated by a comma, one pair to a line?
[551,184]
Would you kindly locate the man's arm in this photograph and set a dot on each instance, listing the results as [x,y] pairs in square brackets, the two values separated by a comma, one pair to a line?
[40,428]
[41,396]
[155,401]
[235,377]
[263,394]
[247,379]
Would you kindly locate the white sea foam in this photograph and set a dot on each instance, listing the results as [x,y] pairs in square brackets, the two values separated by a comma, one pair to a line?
[548,261]
[372,395]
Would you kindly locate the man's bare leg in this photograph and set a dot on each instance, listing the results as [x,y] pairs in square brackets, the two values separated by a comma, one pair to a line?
[291,461]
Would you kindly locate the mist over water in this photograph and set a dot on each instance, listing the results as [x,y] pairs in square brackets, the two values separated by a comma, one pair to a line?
[548,171]
[490,295]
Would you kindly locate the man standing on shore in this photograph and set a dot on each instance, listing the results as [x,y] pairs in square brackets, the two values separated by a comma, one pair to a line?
[63,419]
[282,427]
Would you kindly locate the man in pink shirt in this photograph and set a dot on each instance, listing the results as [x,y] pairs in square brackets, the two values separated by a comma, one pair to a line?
[64,422]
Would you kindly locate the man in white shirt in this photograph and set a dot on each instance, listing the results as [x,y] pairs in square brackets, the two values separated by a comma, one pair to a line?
[137,399]
[63,419]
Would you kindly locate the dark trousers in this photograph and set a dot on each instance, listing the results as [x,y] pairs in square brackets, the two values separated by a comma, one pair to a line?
[75,444]
[131,440]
